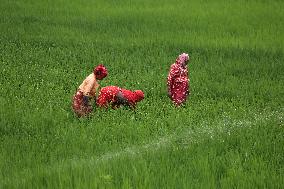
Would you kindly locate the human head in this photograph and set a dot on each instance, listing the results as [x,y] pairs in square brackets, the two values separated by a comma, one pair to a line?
[182,59]
[139,95]
[100,72]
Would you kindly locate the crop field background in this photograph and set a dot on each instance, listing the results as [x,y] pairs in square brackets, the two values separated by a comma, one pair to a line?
[228,135]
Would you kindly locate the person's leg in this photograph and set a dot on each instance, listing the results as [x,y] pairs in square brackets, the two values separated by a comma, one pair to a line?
[80,106]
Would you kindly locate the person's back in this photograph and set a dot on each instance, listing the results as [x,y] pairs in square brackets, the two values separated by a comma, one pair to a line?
[89,86]
[107,95]
[115,96]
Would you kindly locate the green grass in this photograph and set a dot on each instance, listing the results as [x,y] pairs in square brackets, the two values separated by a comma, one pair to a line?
[229,134]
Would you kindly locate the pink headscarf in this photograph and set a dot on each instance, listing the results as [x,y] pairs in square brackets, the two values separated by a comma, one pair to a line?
[182,58]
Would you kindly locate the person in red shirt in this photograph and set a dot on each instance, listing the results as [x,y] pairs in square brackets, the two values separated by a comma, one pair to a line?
[115,97]
[85,95]
[178,80]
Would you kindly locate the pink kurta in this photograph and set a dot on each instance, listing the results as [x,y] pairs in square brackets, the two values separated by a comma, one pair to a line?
[178,80]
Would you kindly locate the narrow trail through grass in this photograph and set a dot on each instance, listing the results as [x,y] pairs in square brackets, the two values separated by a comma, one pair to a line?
[182,139]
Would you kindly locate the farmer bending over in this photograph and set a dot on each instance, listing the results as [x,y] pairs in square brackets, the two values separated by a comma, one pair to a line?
[115,97]
[86,93]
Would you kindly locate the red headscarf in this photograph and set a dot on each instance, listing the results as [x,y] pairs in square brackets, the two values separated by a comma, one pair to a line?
[139,95]
[100,72]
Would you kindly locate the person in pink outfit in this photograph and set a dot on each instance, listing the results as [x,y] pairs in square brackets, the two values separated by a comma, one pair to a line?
[178,80]
[86,93]
[115,97]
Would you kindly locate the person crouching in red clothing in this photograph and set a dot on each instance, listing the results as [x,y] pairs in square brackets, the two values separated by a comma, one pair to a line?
[115,97]
[178,80]
[86,93]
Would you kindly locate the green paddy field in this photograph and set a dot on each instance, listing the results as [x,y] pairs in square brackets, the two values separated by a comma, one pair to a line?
[230,133]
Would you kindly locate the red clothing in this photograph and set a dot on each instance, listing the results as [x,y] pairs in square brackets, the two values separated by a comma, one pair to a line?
[87,91]
[79,106]
[178,81]
[115,96]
